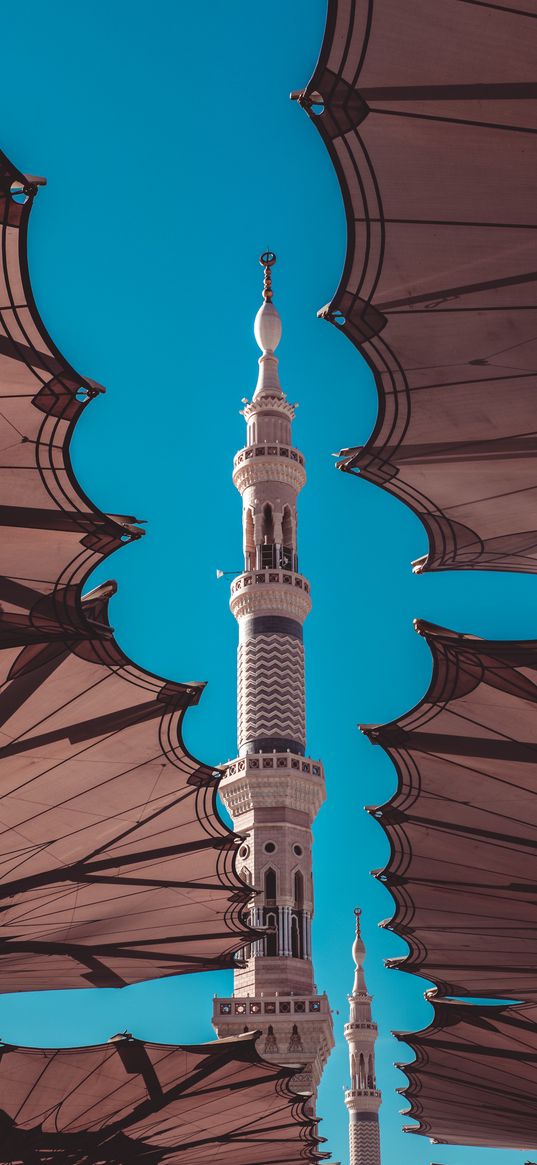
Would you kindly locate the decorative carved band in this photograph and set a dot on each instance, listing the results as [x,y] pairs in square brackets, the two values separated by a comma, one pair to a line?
[269,468]
[242,792]
[270,591]
[275,760]
[277,404]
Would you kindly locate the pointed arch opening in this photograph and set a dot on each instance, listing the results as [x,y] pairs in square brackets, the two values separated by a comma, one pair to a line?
[267,533]
[287,527]
[249,540]
[298,889]
[271,892]
[288,540]
[268,523]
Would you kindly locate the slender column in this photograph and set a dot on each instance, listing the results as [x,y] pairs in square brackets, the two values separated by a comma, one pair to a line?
[259,922]
[287,910]
[304,928]
[308,936]
[281,930]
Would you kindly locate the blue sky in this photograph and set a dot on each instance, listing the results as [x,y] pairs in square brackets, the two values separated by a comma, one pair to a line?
[174,157]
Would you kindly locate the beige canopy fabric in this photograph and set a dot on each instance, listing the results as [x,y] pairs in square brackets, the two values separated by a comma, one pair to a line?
[53,536]
[115,865]
[462,824]
[428,110]
[133,1102]
[474,1080]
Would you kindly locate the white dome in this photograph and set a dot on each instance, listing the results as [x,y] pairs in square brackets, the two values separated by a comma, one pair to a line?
[268,327]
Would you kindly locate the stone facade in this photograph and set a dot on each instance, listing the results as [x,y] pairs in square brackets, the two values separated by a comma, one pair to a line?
[272,790]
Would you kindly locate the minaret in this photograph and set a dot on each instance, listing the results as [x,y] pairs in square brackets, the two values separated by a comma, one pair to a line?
[272,790]
[362,1098]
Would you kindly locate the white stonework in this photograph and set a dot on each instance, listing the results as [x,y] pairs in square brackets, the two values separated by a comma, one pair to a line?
[275,463]
[272,790]
[282,592]
[255,782]
[363,1098]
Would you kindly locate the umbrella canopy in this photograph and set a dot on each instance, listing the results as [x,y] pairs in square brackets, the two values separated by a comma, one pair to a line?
[115,864]
[429,114]
[130,1101]
[53,534]
[462,824]
[474,1081]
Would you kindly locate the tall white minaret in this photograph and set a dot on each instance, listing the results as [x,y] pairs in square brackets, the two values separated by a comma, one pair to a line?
[272,790]
[363,1097]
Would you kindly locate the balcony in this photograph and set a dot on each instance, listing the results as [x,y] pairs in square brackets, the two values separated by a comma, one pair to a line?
[267,591]
[266,576]
[267,450]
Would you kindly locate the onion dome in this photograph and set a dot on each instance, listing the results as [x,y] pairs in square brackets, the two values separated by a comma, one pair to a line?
[268,328]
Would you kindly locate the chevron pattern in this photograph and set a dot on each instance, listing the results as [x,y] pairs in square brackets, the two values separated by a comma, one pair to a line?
[364,1143]
[271,688]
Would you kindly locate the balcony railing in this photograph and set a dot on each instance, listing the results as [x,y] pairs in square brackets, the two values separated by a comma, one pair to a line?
[267,450]
[259,577]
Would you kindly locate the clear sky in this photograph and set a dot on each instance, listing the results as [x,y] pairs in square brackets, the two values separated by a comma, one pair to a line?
[174,157]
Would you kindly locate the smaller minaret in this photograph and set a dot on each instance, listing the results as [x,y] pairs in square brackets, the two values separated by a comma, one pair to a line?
[363,1097]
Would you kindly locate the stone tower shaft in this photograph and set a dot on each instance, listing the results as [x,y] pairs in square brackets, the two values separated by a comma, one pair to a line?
[272,790]
[363,1098]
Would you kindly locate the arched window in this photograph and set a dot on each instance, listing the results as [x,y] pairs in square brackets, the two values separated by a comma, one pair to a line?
[288,541]
[267,547]
[288,533]
[271,939]
[353,1071]
[268,523]
[295,938]
[361,1073]
[371,1074]
[249,540]
[270,885]
[299,890]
